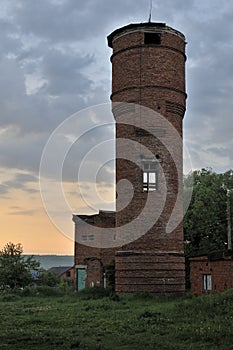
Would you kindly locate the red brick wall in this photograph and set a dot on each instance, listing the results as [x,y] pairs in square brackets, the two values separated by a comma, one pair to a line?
[220,270]
[149,272]
[72,274]
[95,259]
[153,76]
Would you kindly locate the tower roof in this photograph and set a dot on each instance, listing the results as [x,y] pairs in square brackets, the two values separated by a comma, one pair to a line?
[133,26]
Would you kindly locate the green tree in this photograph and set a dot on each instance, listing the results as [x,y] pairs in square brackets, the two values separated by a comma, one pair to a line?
[205,222]
[15,269]
[48,278]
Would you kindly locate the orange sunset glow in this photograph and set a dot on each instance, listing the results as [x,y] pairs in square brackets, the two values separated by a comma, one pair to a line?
[24,218]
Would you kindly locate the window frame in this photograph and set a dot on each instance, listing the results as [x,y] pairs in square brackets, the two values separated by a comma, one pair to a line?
[207,282]
[149,175]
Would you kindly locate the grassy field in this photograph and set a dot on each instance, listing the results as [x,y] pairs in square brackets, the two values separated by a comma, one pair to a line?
[135,322]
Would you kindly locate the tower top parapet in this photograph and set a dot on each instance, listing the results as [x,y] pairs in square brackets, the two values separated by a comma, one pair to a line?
[147,26]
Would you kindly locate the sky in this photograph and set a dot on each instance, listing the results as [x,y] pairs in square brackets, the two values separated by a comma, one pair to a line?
[54,62]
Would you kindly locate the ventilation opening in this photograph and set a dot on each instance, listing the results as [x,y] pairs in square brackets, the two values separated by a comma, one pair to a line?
[152,38]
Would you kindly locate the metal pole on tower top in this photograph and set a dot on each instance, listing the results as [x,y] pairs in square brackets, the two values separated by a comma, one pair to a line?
[229,244]
[150,14]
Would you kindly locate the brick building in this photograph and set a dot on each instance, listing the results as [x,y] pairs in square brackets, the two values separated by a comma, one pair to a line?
[212,273]
[63,272]
[148,87]
[91,262]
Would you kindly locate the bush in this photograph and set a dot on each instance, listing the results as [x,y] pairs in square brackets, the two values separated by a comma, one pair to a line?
[29,291]
[48,291]
[47,278]
[143,295]
[10,297]
[94,293]
[66,285]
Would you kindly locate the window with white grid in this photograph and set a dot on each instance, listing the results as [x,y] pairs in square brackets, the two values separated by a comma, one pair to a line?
[149,176]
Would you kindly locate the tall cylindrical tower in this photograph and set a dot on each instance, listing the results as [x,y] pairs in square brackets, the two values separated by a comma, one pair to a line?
[148,71]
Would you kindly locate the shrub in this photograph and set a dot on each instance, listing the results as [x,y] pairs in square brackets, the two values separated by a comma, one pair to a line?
[143,295]
[47,278]
[94,293]
[48,291]
[10,297]
[29,291]
[66,285]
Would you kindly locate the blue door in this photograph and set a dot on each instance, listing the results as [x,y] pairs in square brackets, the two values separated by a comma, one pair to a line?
[81,278]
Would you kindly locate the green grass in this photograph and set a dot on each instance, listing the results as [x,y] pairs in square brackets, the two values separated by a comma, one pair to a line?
[76,321]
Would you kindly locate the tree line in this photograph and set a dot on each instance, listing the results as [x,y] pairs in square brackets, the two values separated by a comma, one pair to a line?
[208,218]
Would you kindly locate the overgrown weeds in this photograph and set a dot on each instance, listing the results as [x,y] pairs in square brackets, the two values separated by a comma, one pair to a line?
[92,320]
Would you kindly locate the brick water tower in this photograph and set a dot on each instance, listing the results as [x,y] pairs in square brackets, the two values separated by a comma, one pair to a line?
[148,72]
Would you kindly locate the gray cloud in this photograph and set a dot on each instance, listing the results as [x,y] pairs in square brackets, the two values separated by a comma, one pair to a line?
[20,181]
[69,21]
[3,189]
[22,213]
[54,60]
[65,76]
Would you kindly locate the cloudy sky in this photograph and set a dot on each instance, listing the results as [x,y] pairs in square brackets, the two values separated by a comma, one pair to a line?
[54,62]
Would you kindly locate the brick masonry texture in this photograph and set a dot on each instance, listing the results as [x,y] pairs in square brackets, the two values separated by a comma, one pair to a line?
[95,259]
[221,271]
[153,76]
[158,272]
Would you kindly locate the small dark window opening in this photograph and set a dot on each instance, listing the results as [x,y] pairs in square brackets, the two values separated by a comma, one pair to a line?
[152,38]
